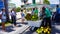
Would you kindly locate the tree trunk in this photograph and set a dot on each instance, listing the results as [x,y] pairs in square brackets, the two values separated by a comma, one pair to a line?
[6,7]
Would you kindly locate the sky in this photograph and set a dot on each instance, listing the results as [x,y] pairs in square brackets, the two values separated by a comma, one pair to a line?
[18,2]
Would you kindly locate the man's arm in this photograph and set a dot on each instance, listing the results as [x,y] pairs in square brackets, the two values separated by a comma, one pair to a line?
[0,15]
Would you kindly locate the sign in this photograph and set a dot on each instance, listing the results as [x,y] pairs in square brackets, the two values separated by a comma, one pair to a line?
[1,4]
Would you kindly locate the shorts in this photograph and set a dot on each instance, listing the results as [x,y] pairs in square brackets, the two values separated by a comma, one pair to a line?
[3,20]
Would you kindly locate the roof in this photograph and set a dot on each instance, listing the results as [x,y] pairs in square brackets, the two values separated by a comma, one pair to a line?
[35,5]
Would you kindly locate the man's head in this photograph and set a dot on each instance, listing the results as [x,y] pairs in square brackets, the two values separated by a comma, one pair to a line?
[21,10]
[3,9]
[33,8]
[43,8]
[57,6]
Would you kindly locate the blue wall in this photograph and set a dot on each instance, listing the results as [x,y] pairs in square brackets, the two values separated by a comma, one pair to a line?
[1,4]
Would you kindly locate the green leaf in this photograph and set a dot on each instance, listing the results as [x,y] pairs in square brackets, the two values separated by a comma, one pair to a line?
[18,9]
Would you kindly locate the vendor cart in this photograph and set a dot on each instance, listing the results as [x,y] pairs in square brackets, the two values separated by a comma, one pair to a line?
[34,24]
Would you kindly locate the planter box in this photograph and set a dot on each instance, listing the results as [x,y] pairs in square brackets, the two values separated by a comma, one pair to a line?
[35,23]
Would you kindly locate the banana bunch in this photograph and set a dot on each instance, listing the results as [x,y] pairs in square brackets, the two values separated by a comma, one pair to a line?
[34,17]
[43,30]
[47,30]
[40,30]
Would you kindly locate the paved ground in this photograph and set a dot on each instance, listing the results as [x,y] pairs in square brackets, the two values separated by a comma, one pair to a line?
[22,27]
[14,30]
[55,28]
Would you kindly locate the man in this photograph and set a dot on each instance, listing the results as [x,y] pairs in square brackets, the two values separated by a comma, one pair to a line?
[57,17]
[33,11]
[36,11]
[3,18]
[13,16]
[46,15]
[22,15]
